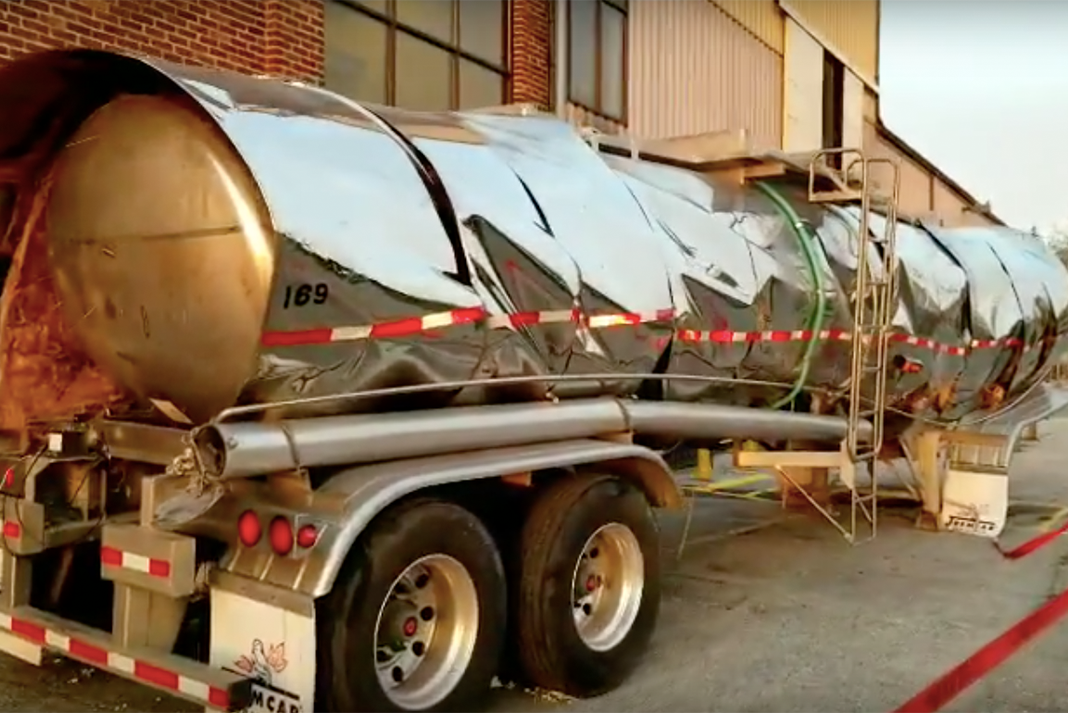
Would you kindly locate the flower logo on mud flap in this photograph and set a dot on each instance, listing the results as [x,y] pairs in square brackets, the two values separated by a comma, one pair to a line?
[263,663]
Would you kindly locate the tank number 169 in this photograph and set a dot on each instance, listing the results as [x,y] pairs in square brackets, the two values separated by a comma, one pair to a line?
[305,294]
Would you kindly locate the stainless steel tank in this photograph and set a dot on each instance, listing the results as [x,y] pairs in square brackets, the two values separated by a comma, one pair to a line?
[162,246]
[219,239]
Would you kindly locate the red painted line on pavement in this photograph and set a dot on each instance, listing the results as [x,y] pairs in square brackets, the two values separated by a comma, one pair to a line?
[1033,544]
[986,659]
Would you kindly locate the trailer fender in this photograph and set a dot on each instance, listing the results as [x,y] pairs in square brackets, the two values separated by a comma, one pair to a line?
[368,490]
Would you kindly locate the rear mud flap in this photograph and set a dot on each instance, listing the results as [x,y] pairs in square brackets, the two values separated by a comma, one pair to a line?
[273,646]
[975,503]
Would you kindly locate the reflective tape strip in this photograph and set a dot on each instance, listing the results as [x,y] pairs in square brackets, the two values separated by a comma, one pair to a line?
[95,655]
[476,315]
[730,337]
[433,322]
[382,330]
[112,557]
[529,319]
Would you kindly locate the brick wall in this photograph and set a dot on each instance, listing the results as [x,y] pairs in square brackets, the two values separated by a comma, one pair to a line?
[532,41]
[278,37]
[293,39]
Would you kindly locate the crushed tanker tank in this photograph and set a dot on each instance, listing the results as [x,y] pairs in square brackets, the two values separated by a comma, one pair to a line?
[215,239]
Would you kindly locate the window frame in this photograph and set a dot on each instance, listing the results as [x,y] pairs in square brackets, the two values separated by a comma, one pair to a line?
[598,59]
[456,53]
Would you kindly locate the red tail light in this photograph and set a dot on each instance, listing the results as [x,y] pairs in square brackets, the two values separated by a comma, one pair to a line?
[307,536]
[249,529]
[281,536]
[911,367]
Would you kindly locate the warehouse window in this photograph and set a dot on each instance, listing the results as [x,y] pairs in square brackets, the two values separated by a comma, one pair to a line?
[418,54]
[597,56]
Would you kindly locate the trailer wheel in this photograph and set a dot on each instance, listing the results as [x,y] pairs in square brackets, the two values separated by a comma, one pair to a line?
[416,619]
[589,592]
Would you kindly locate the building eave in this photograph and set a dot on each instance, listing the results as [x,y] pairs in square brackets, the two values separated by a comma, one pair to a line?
[972,204]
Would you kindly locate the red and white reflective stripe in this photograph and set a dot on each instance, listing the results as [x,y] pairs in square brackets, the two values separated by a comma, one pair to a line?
[529,319]
[595,321]
[600,321]
[441,320]
[98,656]
[726,336]
[995,343]
[112,557]
[931,344]
[729,337]
[381,330]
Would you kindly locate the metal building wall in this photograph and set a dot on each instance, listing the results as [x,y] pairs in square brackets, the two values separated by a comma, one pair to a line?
[914,199]
[695,68]
[848,27]
[923,194]
[761,17]
[802,90]
[950,207]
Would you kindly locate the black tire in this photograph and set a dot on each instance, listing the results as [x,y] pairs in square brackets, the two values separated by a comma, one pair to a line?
[561,521]
[347,679]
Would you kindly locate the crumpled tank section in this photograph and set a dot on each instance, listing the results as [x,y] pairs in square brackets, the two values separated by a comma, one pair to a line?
[219,239]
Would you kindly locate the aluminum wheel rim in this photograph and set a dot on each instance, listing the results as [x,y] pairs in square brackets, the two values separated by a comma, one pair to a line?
[607,587]
[426,631]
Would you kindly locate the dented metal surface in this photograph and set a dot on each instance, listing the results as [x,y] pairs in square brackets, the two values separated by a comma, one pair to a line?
[289,243]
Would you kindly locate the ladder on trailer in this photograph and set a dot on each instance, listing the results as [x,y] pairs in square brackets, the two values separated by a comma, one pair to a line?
[874,289]
[838,176]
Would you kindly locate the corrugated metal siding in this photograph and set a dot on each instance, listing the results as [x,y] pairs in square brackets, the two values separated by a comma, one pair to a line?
[694,68]
[914,197]
[761,17]
[851,27]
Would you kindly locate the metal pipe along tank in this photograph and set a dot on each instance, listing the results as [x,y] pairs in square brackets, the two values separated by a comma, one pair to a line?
[242,449]
[217,239]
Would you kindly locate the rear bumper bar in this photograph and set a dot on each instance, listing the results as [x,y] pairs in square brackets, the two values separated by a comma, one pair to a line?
[27,631]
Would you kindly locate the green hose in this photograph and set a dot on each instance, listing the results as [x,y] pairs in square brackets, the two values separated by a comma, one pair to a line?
[806,236]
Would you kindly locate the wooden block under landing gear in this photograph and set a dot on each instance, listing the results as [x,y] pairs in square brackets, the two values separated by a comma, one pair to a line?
[927,521]
[815,481]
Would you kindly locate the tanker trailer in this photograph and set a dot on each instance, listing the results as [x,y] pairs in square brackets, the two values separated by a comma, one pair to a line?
[311,404]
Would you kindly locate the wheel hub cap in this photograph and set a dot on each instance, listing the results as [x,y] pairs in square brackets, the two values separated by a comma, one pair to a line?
[426,631]
[607,587]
